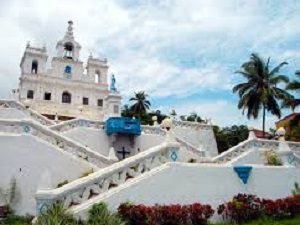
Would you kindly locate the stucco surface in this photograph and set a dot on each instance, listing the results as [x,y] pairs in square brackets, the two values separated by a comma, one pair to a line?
[11,113]
[97,140]
[27,158]
[213,184]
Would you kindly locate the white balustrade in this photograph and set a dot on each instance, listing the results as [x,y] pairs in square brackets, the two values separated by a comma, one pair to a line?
[159,131]
[32,128]
[83,189]
[248,144]
[35,115]
[70,124]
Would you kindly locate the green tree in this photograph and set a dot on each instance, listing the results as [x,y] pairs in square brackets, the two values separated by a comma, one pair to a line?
[228,137]
[260,91]
[294,86]
[126,111]
[193,117]
[141,104]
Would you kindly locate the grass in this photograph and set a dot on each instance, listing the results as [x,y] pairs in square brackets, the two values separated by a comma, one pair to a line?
[15,221]
[268,221]
[263,221]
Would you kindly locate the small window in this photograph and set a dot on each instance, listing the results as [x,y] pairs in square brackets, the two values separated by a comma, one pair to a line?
[68,69]
[30,94]
[34,67]
[116,109]
[100,102]
[85,101]
[47,96]
[66,97]
[97,77]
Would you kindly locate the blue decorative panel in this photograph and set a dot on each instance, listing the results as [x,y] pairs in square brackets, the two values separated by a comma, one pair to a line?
[122,125]
[243,172]
[68,69]
[174,156]
[26,128]
[291,158]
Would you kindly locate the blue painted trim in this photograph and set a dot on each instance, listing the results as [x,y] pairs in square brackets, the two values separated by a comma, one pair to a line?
[123,125]
[243,172]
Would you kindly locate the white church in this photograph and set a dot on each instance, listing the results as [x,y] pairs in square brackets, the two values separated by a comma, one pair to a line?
[62,139]
[66,90]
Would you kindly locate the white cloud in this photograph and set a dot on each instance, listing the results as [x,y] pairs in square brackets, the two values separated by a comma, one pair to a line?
[169,48]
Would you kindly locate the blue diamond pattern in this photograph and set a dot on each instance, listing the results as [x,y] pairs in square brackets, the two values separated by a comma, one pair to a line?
[26,128]
[174,156]
[291,159]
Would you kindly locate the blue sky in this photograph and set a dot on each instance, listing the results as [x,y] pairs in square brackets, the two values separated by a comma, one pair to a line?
[183,53]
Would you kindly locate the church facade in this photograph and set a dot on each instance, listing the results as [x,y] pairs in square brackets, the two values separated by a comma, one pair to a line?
[67,90]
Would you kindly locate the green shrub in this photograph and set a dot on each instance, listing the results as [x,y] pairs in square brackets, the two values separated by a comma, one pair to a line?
[296,190]
[272,158]
[56,215]
[100,215]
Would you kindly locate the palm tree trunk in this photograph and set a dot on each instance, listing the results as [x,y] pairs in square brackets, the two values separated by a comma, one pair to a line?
[264,120]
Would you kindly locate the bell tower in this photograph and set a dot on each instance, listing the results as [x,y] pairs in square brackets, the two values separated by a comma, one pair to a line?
[68,47]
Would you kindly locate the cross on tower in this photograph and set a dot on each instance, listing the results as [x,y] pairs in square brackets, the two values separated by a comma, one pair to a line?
[123,152]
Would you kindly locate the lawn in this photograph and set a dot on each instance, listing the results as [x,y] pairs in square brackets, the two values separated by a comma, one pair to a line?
[266,221]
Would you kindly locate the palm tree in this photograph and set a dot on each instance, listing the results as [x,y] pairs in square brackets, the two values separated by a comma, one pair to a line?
[294,86]
[261,91]
[126,112]
[141,104]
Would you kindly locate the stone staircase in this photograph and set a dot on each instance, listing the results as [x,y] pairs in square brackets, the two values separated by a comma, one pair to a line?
[247,145]
[27,111]
[88,190]
[29,127]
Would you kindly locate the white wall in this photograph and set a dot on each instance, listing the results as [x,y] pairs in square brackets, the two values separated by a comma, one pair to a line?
[252,156]
[27,158]
[97,140]
[212,184]
[11,113]
[202,138]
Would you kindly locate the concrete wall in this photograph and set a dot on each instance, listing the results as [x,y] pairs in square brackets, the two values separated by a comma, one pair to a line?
[97,140]
[11,113]
[253,156]
[212,184]
[201,138]
[27,158]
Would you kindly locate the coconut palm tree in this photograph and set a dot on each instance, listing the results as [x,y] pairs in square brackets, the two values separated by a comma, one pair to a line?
[141,104]
[260,91]
[294,86]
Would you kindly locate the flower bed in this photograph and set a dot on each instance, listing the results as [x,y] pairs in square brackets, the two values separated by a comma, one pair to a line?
[195,214]
[243,208]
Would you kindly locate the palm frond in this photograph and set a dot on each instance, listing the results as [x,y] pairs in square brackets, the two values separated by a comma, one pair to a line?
[294,85]
[277,68]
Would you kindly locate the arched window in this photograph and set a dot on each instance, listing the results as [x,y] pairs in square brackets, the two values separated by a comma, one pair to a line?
[66,97]
[97,77]
[68,69]
[68,50]
[34,67]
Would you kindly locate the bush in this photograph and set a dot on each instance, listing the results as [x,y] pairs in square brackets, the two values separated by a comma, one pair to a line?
[56,215]
[243,208]
[272,158]
[100,215]
[195,214]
